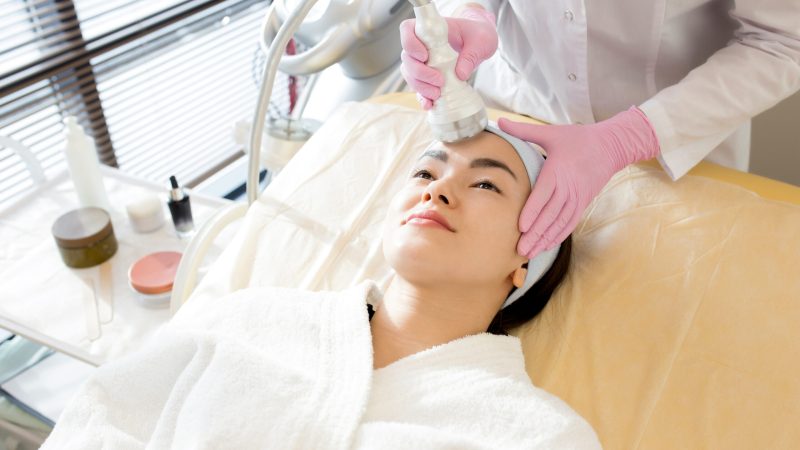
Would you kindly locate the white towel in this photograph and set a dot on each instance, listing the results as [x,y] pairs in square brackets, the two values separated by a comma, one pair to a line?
[471,393]
[282,368]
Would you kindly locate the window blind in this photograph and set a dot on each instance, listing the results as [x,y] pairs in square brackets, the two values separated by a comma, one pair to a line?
[159,85]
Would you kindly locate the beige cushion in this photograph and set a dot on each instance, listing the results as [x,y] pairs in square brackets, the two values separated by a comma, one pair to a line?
[679,324]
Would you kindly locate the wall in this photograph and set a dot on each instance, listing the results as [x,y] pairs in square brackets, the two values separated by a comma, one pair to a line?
[775,145]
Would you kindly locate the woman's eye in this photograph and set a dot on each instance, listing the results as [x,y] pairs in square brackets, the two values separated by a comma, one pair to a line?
[487,185]
[423,174]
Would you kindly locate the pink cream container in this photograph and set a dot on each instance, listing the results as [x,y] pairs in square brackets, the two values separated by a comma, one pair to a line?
[152,276]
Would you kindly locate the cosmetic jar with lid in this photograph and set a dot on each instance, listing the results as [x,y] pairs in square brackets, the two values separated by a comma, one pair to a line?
[145,213]
[85,237]
[151,277]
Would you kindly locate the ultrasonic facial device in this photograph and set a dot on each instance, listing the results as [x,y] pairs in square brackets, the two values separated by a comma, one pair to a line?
[460,112]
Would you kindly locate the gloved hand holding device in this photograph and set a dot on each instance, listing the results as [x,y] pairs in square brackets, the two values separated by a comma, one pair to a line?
[473,35]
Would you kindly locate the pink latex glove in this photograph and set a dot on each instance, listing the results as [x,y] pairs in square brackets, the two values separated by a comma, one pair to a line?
[580,161]
[473,35]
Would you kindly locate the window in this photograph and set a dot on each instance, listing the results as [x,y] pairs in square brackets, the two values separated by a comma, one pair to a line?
[158,84]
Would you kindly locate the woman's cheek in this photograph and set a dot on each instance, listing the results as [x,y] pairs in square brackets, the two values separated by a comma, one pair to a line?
[505,228]
[401,203]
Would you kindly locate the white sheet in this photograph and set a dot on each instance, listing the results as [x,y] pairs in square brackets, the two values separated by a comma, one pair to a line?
[303,234]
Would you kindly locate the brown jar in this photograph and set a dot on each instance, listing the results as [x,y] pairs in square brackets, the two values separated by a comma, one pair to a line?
[85,237]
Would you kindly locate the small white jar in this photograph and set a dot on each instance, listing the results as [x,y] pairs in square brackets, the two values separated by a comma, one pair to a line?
[145,213]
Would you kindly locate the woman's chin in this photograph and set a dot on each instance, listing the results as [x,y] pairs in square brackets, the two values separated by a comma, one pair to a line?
[408,258]
[422,246]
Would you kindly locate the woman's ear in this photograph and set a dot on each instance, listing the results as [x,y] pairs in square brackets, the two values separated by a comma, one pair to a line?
[519,276]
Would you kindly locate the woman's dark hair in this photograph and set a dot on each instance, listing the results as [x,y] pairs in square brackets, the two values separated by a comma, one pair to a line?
[533,302]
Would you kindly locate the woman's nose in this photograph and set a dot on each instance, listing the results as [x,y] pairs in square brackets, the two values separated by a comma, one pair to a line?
[437,191]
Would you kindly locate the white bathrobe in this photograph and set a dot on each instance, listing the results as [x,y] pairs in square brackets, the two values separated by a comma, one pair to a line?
[288,369]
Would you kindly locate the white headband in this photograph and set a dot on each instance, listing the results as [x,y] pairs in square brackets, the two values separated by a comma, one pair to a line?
[533,161]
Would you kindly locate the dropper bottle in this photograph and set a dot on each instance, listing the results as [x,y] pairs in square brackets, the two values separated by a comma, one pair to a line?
[180,209]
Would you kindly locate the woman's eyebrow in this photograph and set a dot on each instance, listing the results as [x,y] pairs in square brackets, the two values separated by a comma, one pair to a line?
[476,163]
[488,162]
[437,154]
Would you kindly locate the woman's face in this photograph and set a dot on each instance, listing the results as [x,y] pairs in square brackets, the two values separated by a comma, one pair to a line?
[455,219]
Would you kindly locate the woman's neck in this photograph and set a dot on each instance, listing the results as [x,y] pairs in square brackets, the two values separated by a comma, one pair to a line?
[412,318]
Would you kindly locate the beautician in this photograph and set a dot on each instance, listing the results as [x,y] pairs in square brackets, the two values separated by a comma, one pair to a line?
[622,81]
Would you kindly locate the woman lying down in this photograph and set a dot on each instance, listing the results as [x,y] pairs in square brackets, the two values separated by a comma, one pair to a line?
[432,368]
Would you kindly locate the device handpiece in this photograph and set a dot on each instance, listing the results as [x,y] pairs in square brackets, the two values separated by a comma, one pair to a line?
[459,113]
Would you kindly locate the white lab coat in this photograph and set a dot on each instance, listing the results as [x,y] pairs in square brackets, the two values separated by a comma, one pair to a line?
[699,69]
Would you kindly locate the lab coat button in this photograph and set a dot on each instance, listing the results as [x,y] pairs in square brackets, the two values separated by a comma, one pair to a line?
[568,16]
[572,77]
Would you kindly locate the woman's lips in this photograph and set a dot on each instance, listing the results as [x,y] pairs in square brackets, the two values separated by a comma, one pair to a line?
[428,218]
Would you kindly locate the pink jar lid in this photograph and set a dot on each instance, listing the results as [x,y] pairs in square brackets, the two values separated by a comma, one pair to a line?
[154,273]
